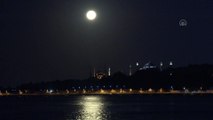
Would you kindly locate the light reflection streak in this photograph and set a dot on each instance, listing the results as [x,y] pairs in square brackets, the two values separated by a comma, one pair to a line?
[92,108]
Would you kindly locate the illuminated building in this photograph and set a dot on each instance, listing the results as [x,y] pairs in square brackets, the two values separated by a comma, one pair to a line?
[100,75]
[148,65]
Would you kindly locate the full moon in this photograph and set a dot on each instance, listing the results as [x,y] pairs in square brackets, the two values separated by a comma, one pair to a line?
[91,15]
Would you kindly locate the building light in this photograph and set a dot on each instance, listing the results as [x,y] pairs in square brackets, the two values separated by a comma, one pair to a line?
[150,90]
[137,64]
[171,63]
[161,90]
[20,92]
[184,88]
[171,87]
[121,90]
[102,91]
[161,64]
[84,91]
[67,91]
[112,91]
[141,90]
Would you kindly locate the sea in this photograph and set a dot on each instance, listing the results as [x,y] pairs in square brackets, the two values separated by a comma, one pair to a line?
[107,107]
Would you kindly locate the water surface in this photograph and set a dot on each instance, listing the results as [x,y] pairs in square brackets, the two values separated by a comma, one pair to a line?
[107,107]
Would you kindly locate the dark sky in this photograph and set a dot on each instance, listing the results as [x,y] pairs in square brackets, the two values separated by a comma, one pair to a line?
[43,40]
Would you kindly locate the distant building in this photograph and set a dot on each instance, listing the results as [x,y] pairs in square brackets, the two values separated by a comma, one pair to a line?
[148,65]
[100,75]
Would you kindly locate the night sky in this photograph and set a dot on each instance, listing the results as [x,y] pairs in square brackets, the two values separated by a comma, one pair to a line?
[43,40]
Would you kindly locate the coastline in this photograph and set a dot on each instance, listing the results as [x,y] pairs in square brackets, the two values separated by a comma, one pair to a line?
[108,92]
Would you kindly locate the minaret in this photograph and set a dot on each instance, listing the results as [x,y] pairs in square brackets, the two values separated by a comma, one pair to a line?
[109,71]
[137,66]
[171,74]
[94,73]
[170,67]
[161,66]
[130,70]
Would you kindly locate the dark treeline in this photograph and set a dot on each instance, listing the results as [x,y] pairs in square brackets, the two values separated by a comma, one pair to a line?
[192,77]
